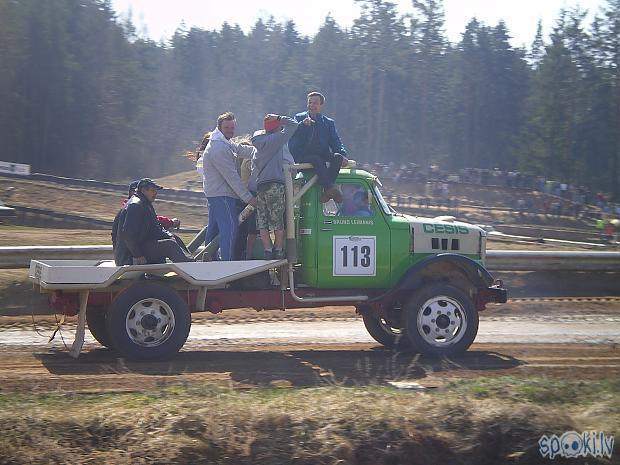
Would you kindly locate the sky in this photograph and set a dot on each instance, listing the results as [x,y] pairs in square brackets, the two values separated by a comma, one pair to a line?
[158,19]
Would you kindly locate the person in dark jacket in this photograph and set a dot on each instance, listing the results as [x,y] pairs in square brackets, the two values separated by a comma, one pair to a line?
[137,237]
[167,223]
[316,141]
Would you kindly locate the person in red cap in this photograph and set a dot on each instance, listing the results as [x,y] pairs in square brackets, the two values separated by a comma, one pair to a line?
[268,180]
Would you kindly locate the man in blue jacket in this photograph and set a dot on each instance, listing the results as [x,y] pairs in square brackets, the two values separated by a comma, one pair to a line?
[316,141]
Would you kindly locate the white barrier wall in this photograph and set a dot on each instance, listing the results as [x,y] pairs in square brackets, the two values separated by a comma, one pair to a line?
[14,168]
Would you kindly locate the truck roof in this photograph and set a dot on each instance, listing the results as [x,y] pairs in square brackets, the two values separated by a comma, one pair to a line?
[356,173]
[348,173]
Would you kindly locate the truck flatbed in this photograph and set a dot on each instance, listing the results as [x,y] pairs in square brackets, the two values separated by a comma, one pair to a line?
[99,274]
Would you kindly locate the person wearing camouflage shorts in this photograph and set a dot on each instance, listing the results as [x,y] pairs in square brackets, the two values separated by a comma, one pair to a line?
[268,180]
[270,205]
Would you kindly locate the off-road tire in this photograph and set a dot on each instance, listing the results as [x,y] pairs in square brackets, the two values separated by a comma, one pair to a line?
[96,321]
[148,321]
[383,333]
[440,311]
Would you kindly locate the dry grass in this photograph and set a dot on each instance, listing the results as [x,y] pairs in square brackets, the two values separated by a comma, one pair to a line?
[21,236]
[471,422]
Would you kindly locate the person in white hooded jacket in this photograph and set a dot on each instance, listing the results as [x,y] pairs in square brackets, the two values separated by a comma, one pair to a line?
[222,184]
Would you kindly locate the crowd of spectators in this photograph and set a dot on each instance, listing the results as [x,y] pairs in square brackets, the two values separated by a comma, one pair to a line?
[563,199]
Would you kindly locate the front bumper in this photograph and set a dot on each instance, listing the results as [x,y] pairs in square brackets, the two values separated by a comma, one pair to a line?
[495,293]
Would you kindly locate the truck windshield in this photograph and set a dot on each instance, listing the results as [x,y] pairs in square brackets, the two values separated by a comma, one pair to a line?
[384,205]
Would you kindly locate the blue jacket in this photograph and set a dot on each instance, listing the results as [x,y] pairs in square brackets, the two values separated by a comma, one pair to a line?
[328,139]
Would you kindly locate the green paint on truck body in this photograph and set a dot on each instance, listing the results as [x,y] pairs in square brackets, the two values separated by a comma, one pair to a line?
[372,248]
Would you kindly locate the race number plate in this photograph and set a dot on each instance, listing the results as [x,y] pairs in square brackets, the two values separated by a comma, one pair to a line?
[354,255]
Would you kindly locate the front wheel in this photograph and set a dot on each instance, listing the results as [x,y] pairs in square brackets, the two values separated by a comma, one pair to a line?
[441,320]
[148,321]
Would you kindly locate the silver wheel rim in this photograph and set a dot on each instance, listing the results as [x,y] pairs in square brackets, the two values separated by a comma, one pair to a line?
[442,321]
[149,322]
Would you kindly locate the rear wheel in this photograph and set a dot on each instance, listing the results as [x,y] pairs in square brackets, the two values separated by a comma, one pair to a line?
[148,321]
[95,319]
[386,329]
[441,320]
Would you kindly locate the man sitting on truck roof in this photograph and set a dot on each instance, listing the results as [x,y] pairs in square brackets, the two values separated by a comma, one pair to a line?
[316,141]
[138,238]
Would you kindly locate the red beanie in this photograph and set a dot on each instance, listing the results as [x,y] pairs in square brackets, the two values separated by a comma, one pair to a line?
[272,124]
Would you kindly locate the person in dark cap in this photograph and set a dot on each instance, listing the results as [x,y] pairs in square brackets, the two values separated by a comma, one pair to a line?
[167,223]
[137,237]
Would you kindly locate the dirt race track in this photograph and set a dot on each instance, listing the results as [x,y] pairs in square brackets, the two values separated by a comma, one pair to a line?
[567,339]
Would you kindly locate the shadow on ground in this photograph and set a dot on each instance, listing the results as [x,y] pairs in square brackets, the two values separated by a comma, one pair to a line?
[301,368]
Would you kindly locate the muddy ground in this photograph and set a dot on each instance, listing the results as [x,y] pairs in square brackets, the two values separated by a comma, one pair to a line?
[310,347]
[283,388]
[88,202]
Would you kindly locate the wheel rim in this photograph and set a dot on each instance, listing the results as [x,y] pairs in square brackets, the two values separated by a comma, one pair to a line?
[441,321]
[150,322]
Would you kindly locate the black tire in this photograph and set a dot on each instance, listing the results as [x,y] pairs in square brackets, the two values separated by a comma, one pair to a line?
[440,320]
[384,333]
[148,321]
[96,321]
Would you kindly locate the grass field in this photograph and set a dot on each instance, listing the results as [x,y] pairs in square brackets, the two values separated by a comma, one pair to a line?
[475,421]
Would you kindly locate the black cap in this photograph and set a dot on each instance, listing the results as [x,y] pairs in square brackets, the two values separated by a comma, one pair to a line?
[133,187]
[148,182]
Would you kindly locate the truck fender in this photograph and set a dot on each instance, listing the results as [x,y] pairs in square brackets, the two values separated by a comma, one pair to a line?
[475,273]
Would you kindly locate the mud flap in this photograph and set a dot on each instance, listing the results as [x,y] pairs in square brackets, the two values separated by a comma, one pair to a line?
[201,299]
[78,342]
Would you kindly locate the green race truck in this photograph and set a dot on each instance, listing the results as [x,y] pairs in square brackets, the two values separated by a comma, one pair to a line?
[417,282]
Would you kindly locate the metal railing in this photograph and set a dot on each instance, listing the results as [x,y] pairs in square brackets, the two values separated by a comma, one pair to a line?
[19,257]
[528,260]
[497,260]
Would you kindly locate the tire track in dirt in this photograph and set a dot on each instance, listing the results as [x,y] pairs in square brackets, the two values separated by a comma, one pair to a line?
[251,365]
[245,348]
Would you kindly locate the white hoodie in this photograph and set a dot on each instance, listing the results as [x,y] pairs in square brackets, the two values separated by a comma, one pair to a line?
[219,168]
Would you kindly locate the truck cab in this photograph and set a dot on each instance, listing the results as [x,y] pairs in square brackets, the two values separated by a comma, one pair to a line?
[422,279]
[363,243]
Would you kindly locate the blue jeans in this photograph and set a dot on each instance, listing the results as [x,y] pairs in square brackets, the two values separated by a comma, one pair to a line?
[223,220]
